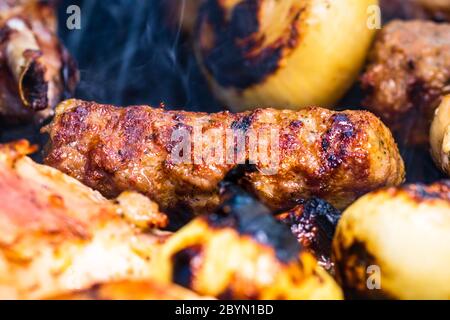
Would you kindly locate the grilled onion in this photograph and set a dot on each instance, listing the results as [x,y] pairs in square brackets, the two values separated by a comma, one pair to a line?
[440,136]
[394,244]
[290,53]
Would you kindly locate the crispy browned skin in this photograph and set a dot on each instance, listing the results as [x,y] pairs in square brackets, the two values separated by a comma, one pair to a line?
[337,156]
[409,71]
[57,235]
[36,71]
[437,10]
[131,290]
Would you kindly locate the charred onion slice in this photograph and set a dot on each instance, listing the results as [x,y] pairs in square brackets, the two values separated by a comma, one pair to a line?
[242,252]
[290,53]
[440,136]
[313,223]
[399,239]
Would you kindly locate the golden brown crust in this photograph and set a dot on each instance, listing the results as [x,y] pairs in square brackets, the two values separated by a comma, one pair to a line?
[337,156]
[56,235]
[37,71]
[409,71]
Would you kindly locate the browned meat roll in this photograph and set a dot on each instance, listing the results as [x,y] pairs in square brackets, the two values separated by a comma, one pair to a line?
[36,71]
[408,73]
[337,156]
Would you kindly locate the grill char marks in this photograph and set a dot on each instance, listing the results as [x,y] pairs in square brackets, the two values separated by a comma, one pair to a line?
[234,46]
[242,212]
[313,223]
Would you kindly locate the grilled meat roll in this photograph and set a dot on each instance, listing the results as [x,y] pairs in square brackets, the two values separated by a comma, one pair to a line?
[337,156]
[241,252]
[57,235]
[394,243]
[409,71]
[36,70]
[290,53]
[131,290]
[440,136]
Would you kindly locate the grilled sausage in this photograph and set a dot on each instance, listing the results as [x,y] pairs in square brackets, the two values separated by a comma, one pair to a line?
[408,73]
[337,156]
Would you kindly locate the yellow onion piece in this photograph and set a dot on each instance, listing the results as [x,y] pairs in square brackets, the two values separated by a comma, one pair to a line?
[290,53]
[440,136]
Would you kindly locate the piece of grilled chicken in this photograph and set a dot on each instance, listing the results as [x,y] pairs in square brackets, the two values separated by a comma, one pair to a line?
[394,243]
[57,235]
[407,75]
[337,156]
[58,238]
[36,70]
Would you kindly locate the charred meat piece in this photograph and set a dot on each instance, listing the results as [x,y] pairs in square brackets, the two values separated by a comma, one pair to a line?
[436,10]
[313,222]
[36,71]
[337,156]
[131,290]
[242,252]
[56,235]
[408,74]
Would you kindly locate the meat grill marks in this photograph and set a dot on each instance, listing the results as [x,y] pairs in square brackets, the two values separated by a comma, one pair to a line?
[36,70]
[332,155]
[408,73]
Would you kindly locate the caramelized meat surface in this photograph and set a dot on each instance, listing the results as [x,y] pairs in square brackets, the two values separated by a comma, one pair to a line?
[337,156]
[36,71]
[409,72]
[57,235]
